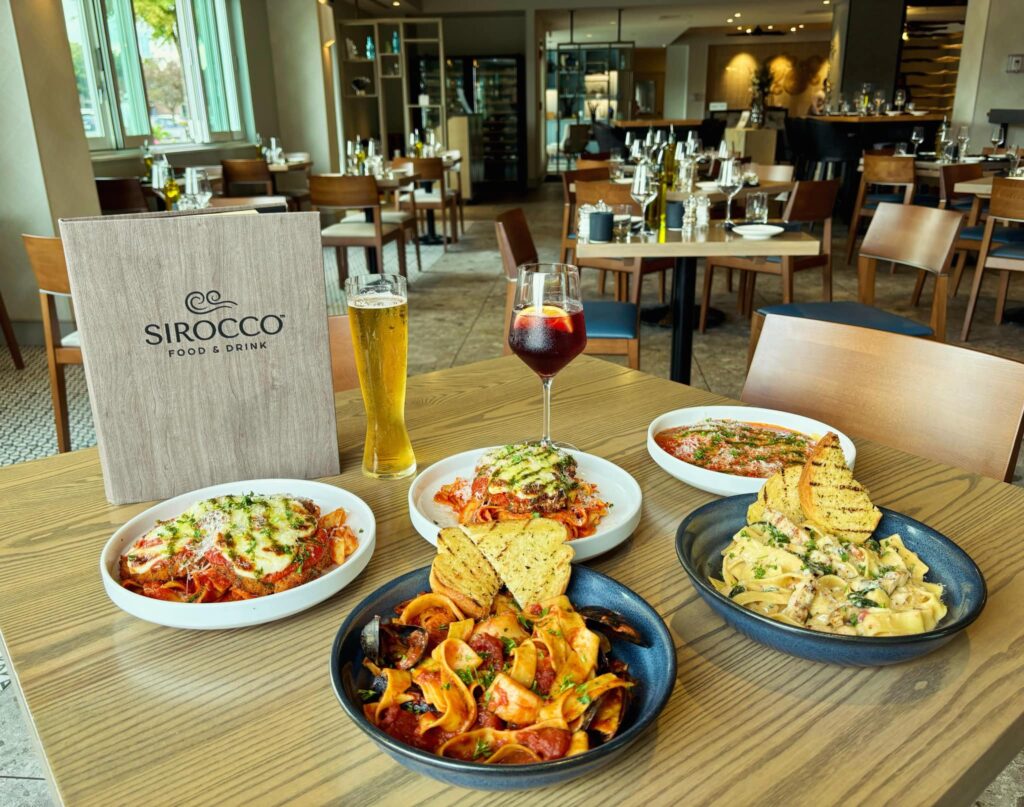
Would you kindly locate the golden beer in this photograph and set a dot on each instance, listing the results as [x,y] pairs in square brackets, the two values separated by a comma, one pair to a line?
[379,317]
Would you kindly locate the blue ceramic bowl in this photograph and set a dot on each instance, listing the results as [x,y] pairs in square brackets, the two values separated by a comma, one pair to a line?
[653,666]
[709,529]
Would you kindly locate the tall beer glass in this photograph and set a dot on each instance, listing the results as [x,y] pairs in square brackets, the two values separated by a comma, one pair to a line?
[378,310]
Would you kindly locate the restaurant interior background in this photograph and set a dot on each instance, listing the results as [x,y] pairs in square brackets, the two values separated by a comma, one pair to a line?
[524,88]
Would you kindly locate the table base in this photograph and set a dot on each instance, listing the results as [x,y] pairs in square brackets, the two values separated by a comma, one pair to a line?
[661,315]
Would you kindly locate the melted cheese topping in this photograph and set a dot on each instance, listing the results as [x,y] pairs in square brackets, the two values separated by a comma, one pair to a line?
[258,534]
[528,470]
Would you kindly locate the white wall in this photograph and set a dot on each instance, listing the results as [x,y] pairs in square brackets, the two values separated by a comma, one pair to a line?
[677,70]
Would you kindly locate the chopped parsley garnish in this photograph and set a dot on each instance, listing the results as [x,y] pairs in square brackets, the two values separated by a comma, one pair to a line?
[759,572]
[367,694]
[873,545]
[509,643]
[861,600]
[482,749]
[776,537]
[486,678]
[466,676]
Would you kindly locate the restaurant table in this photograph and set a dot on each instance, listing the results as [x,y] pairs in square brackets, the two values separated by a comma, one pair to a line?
[772,188]
[266,204]
[686,247]
[930,169]
[130,712]
[929,117]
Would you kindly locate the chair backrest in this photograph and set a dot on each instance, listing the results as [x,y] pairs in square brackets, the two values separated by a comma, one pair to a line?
[772,173]
[121,195]
[812,200]
[46,254]
[949,175]
[251,174]
[921,237]
[611,193]
[515,243]
[1007,200]
[343,358]
[583,165]
[884,169]
[570,178]
[577,138]
[340,191]
[948,404]
[430,169]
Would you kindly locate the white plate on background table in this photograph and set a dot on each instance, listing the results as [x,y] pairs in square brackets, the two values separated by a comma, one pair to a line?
[708,186]
[758,232]
[241,613]
[917,113]
[717,482]
[614,485]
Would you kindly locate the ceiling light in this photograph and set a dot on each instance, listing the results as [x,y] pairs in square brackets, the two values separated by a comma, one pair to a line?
[801,25]
[729,20]
[824,2]
[739,27]
[737,14]
[749,30]
[906,36]
[770,27]
[395,3]
[793,28]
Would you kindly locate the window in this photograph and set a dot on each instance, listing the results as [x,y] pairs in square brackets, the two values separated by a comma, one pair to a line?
[159,70]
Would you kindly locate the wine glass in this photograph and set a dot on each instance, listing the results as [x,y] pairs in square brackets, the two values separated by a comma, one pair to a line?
[547,330]
[963,138]
[730,181]
[879,102]
[996,138]
[917,137]
[645,190]
[204,190]
[899,99]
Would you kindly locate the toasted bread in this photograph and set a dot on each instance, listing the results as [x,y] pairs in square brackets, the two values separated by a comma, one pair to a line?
[461,572]
[780,492]
[831,498]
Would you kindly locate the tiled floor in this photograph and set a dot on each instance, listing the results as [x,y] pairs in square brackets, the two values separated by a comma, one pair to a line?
[456,311]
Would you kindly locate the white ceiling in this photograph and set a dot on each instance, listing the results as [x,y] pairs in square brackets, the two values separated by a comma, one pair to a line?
[657,26]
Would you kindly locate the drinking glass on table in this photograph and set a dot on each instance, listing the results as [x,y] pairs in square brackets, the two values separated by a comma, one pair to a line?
[621,218]
[378,310]
[547,330]
[899,99]
[204,190]
[730,182]
[963,139]
[757,208]
[917,138]
[996,138]
[645,190]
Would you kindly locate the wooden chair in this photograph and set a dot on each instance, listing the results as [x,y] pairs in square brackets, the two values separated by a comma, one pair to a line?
[810,203]
[343,360]
[887,171]
[946,403]
[613,328]
[615,193]
[439,198]
[569,180]
[908,235]
[253,178]
[583,165]
[406,219]
[772,173]
[119,195]
[334,192]
[12,341]
[47,258]
[455,155]
[1005,205]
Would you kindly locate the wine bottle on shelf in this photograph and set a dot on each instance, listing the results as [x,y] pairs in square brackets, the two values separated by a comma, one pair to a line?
[668,167]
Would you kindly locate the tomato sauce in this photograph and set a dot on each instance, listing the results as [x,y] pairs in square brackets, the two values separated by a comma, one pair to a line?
[734,447]
[490,649]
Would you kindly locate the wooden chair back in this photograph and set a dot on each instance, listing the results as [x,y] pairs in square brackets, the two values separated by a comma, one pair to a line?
[885,169]
[584,165]
[1007,201]
[430,169]
[949,175]
[246,172]
[772,173]
[812,200]
[920,237]
[341,191]
[952,405]
[343,358]
[121,195]
[46,255]
[570,178]
[611,193]
[515,243]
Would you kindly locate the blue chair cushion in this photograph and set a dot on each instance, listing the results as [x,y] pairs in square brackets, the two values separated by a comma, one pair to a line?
[1009,251]
[1000,235]
[850,313]
[610,320]
[873,200]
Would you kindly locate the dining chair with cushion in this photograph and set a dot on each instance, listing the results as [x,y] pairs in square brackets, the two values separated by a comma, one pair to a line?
[613,328]
[896,174]
[120,195]
[335,193]
[810,203]
[1001,248]
[406,219]
[253,178]
[453,161]
[906,235]
[344,375]
[440,198]
[9,336]
[946,403]
[46,255]
[616,193]
[569,180]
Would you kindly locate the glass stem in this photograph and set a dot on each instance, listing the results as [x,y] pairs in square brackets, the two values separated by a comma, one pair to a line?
[728,209]
[546,387]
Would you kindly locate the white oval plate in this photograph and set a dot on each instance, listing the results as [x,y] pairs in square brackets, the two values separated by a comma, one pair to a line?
[917,113]
[708,186]
[614,485]
[758,232]
[241,613]
[716,481]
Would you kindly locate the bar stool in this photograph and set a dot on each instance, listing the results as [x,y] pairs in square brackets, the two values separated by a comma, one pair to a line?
[887,171]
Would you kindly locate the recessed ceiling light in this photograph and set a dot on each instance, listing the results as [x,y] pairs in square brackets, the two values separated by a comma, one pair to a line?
[749,30]
[793,28]
[739,27]
[729,20]
[824,2]
[801,25]
[395,3]
[770,27]
[737,14]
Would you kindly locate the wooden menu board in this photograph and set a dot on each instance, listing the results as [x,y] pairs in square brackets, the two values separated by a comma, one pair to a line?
[205,344]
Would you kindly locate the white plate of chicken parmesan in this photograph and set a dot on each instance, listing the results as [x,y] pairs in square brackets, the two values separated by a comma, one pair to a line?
[596,502]
[238,554]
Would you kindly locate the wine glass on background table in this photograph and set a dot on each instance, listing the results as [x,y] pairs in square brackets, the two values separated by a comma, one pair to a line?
[730,182]
[547,330]
[996,138]
[645,190]
[204,190]
[917,137]
[899,99]
[963,139]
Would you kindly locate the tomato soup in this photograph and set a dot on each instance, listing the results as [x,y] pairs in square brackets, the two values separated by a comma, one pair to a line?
[737,448]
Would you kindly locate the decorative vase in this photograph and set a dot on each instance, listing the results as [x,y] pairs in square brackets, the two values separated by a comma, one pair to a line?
[757,112]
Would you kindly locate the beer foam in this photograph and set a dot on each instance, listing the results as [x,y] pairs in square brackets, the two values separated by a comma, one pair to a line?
[375,300]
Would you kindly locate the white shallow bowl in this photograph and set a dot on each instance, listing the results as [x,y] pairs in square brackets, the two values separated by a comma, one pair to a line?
[241,613]
[758,232]
[716,481]
[917,113]
[614,485]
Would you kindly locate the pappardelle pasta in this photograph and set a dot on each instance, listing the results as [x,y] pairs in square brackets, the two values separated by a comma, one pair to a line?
[799,575]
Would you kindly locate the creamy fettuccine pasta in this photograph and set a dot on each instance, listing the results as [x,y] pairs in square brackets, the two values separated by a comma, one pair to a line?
[801,576]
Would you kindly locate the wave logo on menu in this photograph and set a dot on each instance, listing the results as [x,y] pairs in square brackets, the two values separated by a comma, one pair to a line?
[228,333]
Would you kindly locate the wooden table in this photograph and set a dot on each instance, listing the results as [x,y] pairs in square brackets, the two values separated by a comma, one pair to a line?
[125,708]
[686,247]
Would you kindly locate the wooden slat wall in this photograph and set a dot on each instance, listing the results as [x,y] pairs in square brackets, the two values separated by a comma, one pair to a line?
[929,63]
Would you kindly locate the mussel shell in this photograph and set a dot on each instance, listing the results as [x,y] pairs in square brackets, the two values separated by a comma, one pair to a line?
[608,711]
[389,644]
[612,623]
